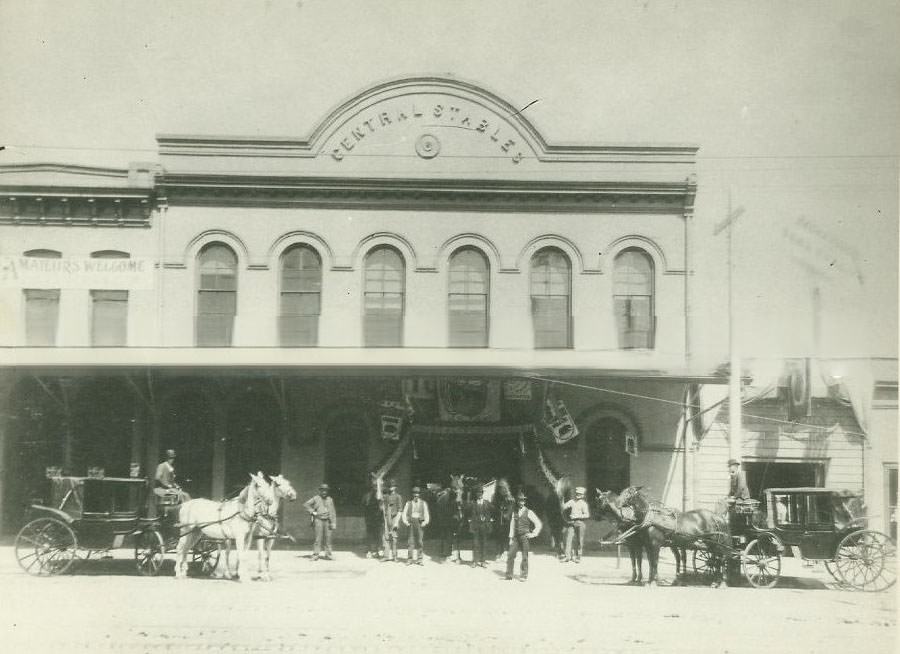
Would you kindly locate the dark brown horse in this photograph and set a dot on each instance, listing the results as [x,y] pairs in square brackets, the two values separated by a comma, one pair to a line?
[691,529]
[450,518]
[504,503]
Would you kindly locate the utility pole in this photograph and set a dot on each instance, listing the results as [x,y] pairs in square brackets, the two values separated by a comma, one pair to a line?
[734,378]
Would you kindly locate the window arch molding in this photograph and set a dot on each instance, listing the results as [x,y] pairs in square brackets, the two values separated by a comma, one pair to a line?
[535,245]
[229,239]
[286,241]
[475,241]
[635,242]
[381,239]
[598,412]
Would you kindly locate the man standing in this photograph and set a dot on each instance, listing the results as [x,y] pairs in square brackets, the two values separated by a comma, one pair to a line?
[737,485]
[481,519]
[523,526]
[576,512]
[415,516]
[393,505]
[324,518]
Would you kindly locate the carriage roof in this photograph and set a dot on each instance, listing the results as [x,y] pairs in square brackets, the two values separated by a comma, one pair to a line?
[815,489]
[98,496]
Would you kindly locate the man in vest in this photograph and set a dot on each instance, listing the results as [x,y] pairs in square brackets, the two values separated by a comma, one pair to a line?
[481,519]
[415,516]
[523,526]
[321,510]
[575,511]
[393,505]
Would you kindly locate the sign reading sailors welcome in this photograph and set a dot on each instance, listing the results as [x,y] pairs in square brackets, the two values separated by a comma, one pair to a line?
[426,111]
[95,273]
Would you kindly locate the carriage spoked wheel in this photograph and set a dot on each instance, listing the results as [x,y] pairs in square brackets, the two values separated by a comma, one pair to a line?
[149,552]
[205,557]
[761,562]
[46,546]
[867,560]
[703,562]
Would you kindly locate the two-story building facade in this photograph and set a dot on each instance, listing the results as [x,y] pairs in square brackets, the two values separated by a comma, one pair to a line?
[425,284]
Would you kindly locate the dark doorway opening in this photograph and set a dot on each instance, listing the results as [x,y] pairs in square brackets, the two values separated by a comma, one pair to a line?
[780,474]
[484,457]
[608,464]
[254,438]
[346,459]
[187,426]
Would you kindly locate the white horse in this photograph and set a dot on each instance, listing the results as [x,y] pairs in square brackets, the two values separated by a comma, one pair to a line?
[232,519]
[264,534]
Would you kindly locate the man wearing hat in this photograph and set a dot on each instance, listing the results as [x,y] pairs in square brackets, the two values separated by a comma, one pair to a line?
[737,484]
[481,519]
[415,516]
[523,526]
[324,518]
[393,505]
[575,512]
[165,485]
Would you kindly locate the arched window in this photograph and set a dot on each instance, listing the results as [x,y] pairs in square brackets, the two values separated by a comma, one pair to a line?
[41,307]
[469,299]
[301,296]
[216,295]
[633,299]
[551,299]
[383,301]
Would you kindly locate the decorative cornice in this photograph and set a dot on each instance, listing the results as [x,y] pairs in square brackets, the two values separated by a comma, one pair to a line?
[423,194]
[101,208]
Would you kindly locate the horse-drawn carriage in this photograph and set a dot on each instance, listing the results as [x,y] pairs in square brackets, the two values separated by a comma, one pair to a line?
[822,524]
[88,516]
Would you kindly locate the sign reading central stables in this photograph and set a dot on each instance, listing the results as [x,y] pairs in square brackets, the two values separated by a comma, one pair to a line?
[439,112]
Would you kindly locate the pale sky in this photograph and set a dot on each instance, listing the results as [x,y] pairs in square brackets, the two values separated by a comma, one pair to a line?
[795,106]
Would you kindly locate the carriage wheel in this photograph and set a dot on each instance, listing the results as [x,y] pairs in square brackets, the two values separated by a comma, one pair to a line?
[149,552]
[761,563]
[205,557]
[46,546]
[867,560]
[833,571]
[703,562]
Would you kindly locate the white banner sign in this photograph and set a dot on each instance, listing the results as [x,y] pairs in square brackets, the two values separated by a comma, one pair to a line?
[112,274]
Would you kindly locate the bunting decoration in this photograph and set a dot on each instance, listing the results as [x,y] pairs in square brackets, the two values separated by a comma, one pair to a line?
[469,400]
[393,415]
[392,459]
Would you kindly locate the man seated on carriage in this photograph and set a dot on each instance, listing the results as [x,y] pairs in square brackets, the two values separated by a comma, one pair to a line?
[166,490]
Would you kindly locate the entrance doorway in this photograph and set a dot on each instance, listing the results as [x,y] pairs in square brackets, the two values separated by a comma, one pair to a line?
[483,456]
[608,464]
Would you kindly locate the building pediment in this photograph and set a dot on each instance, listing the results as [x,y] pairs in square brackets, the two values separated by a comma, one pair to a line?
[425,127]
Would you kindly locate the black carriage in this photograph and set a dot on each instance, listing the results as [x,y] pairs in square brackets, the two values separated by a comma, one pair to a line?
[90,516]
[824,525]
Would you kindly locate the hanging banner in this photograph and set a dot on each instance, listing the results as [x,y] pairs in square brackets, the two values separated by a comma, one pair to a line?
[86,273]
[469,400]
[556,418]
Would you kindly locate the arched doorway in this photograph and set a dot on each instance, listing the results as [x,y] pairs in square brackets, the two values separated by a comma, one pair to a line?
[346,458]
[187,426]
[608,464]
[103,427]
[35,440]
[254,436]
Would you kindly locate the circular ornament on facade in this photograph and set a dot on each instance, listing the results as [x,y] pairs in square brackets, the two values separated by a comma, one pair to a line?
[428,146]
